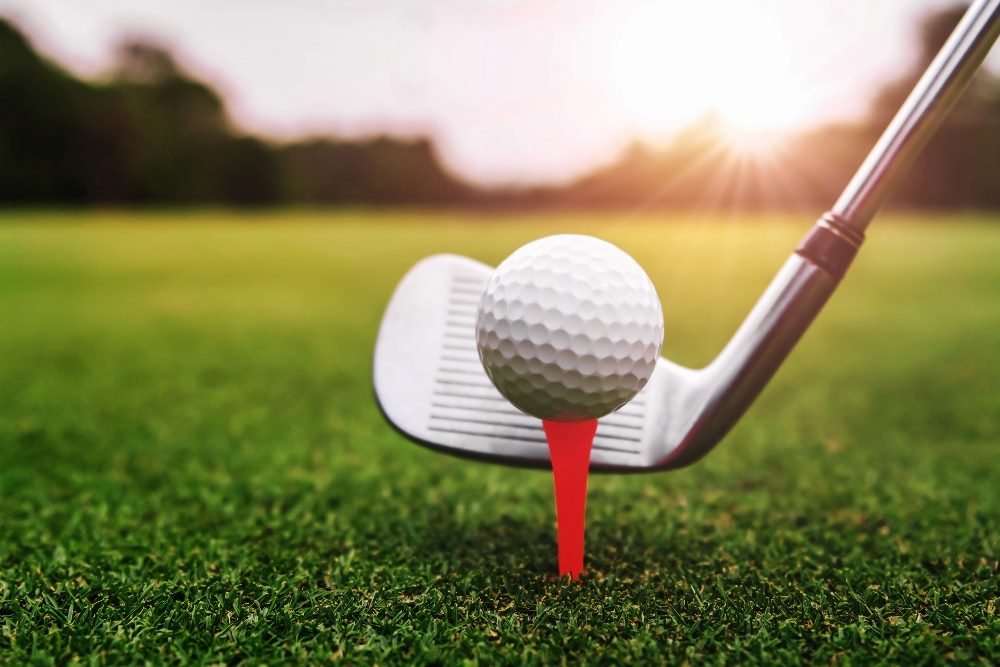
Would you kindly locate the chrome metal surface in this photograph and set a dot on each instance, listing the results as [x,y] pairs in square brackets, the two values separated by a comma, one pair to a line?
[431,386]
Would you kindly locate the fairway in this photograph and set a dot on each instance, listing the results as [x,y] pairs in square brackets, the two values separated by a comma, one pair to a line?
[193,468]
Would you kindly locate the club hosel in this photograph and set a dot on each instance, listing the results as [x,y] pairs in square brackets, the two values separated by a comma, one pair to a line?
[831,245]
[783,313]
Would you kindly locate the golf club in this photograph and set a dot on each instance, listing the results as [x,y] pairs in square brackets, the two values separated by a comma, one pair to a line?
[431,387]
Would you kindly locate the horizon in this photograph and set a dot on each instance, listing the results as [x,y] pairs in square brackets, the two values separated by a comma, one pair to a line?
[509,116]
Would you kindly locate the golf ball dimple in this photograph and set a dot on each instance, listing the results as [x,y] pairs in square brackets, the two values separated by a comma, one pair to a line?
[569,328]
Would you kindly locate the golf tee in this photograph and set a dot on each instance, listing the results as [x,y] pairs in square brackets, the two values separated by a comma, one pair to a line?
[569,449]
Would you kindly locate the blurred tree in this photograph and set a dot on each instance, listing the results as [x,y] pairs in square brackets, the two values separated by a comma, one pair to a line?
[171,129]
[153,134]
[41,133]
[380,170]
[139,61]
[250,172]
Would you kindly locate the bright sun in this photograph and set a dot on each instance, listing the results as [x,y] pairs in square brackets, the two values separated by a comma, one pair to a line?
[677,62]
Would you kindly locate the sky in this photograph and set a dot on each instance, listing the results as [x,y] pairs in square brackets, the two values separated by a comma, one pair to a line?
[512,91]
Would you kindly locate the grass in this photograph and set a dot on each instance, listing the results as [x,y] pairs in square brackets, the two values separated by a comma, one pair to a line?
[192,468]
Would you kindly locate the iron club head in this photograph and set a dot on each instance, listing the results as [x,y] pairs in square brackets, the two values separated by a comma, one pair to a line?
[431,386]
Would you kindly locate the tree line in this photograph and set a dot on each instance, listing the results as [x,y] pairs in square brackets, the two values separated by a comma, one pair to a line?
[150,133]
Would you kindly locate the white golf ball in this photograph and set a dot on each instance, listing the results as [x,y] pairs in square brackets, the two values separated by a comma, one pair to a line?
[569,328]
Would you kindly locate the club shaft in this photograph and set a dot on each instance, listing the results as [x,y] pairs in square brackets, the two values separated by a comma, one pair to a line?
[924,110]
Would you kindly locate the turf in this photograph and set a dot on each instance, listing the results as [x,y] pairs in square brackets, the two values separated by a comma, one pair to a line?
[192,468]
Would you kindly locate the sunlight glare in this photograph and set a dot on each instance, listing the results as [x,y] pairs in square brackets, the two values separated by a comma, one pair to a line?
[675,63]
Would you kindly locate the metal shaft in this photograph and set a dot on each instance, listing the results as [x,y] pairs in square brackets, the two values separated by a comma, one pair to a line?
[931,100]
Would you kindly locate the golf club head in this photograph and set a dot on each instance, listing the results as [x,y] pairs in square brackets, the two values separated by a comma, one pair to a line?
[430,383]
[431,386]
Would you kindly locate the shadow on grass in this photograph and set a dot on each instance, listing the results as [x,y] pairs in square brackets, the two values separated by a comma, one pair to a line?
[511,543]
[524,546]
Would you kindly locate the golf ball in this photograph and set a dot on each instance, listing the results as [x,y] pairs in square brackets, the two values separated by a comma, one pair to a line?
[569,328]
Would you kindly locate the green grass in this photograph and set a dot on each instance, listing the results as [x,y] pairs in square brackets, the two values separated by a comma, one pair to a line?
[192,467]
